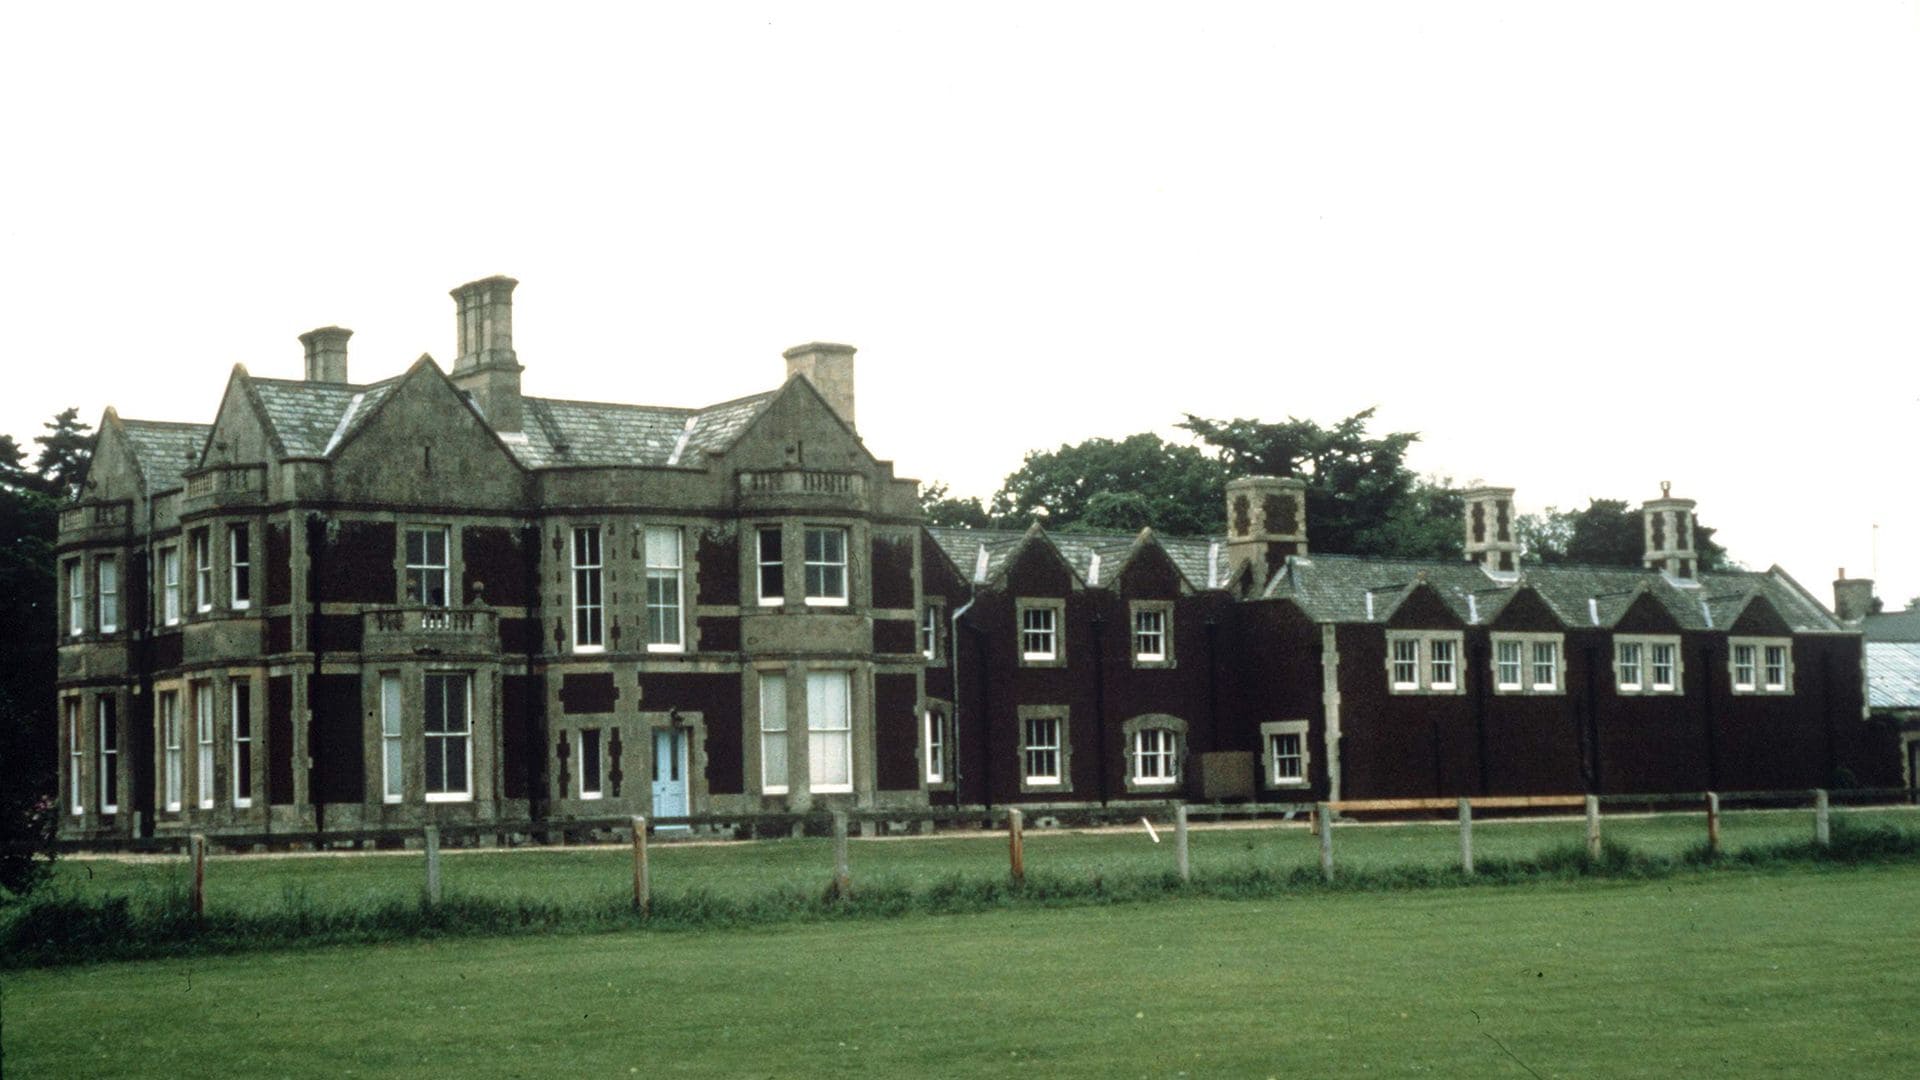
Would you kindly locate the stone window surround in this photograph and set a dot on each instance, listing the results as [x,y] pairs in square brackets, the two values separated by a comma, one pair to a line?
[1022,714]
[1166,657]
[483,690]
[798,793]
[1759,686]
[1129,735]
[793,541]
[1021,605]
[213,536]
[1646,643]
[1285,727]
[1527,641]
[1423,661]
[944,710]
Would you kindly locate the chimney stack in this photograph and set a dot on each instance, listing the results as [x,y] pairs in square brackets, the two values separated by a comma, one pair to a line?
[1491,541]
[829,368]
[326,354]
[1266,522]
[486,367]
[1669,535]
[1852,597]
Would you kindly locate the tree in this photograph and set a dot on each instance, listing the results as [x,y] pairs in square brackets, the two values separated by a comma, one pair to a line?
[943,509]
[1361,497]
[1137,481]
[64,451]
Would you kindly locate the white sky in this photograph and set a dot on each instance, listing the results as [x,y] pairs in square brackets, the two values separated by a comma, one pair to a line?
[1581,247]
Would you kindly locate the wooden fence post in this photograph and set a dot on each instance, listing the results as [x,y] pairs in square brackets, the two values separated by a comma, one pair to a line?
[1324,815]
[642,874]
[1016,853]
[1466,835]
[1593,827]
[1180,842]
[842,875]
[433,864]
[1713,825]
[197,846]
[1822,821]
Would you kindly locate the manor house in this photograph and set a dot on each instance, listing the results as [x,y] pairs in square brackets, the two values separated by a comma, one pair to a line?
[432,598]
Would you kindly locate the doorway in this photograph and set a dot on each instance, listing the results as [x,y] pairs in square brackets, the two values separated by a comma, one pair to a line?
[670,773]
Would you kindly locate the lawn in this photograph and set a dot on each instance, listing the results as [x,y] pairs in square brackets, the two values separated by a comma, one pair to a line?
[599,876]
[1784,972]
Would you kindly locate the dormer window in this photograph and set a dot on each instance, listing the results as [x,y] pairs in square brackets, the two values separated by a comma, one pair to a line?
[1644,664]
[1041,640]
[1424,661]
[1527,664]
[1152,633]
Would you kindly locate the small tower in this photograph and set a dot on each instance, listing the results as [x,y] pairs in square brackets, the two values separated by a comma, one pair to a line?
[326,350]
[1669,536]
[1491,541]
[1266,522]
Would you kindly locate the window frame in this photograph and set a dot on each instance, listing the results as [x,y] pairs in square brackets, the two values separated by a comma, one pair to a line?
[107,749]
[776,567]
[1056,613]
[200,544]
[448,737]
[76,569]
[820,732]
[425,567]
[1761,682]
[1160,611]
[106,584]
[583,738]
[933,612]
[1062,747]
[1528,646]
[170,607]
[240,742]
[664,574]
[1270,758]
[1166,754]
[393,747]
[934,743]
[173,754]
[76,758]
[203,741]
[1646,648]
[239,566]
[588,577]
[773,687]
[1416,647]
[808,563]
[1031,744]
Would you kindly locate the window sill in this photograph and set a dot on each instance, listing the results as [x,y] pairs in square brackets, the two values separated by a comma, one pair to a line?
[666,648]
[1289,783]
[450,797]
[832,789]
[773,791]
[591,796]
[826,601]
[243,804]
[393,800]
[589,650]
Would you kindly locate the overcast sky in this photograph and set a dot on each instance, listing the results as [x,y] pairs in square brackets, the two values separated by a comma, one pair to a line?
[1581,248]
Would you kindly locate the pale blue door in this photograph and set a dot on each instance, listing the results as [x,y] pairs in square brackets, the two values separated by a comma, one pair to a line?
[670,773]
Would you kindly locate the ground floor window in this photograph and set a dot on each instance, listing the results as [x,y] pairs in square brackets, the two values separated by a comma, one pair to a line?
[172,748]
[590,787]
[934,724]
[203,743]
[1040,749]
[773,733]
[109,756]
[1286,753]
[240,698]
[830,731]
[75,802]
[393,782]
[448,737]
[1153,756]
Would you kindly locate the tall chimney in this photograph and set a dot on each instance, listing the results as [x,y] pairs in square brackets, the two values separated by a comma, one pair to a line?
[1491,541]
[1668,524]
[1266,522]
[486,367]
[829,368]
[326,354]
[1852,597]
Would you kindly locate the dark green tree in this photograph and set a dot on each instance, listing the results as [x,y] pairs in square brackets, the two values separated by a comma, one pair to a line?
[64,450]
[29,522]
[1144,479]
[944,509]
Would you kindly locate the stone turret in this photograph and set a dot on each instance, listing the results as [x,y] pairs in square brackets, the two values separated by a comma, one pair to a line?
[1266,522]
[1669,536]
[1491,540]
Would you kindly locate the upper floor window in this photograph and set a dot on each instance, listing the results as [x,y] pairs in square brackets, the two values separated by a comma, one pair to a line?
[202,546]
[448,754]
[1762,665]
[1527,663]
[76,598]
[773,570]
[239,567]
[1646,664]
[664,612]
[427,566]
[826,565]
[588,629]
[1040,636]
[107,575]
[930,630]
[170,586]
[1152,632]
[1424,661]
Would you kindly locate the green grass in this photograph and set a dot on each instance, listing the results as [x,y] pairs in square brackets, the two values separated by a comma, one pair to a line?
[1791,972]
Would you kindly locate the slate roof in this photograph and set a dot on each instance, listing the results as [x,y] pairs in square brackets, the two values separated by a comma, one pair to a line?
[1893,626]
[165,449]
[310,419]
[1190,554]
[1893,674]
